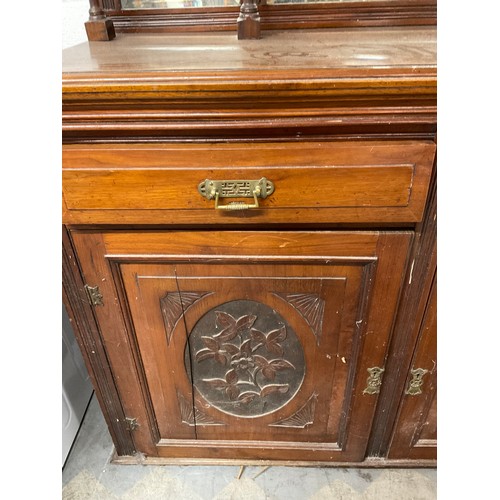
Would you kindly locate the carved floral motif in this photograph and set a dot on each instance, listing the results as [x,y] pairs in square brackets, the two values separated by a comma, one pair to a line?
[247,360]
[241,355]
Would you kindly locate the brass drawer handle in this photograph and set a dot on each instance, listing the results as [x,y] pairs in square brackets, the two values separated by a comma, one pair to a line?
[215,190]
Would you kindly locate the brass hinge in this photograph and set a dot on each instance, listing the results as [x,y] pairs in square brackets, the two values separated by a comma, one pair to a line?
[131,423]
[94,295]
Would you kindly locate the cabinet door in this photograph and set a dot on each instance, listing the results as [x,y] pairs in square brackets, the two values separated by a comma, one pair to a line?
[415,435]
[256,345]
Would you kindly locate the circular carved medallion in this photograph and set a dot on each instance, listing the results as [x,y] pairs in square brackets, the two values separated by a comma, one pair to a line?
[246,360]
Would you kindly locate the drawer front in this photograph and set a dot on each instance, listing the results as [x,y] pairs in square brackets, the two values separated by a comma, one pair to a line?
[313,182]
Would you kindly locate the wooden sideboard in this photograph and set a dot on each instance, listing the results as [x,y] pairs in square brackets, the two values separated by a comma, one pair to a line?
[249,243]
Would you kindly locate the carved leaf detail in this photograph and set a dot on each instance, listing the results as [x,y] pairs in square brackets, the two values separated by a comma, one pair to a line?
[220,358]
[258,336]
[269,389]
[281,364]
[246,348]
[269,372]
[231,377]
[245,322]
[232,326]
[230,349]
[271,340]
[223,320]
[254,360]
[260,361]
[216,382]
[233,392]
[212,344]
[226,334]
[269,368]
[278,335]
[248,397]
[213,350]
[204,354]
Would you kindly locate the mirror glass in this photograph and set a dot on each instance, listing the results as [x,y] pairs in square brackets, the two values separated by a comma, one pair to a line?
[178,4]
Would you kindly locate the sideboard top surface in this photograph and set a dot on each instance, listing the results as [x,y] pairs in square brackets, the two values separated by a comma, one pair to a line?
[310,82]
[329,49]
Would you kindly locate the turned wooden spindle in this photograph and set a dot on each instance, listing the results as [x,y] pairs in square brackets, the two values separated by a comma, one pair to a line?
[98,27]
[249,20]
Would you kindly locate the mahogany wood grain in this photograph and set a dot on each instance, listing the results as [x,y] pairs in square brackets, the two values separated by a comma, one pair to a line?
[89,340]
[321,15]
[248,21]
[417,288]
[318,182]
[149,264]
[99,28]
[282,58]
[415,432]
[144,116]
[115,342]
[324,84]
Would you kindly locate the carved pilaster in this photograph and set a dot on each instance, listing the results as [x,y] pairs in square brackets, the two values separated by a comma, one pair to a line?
[98,27]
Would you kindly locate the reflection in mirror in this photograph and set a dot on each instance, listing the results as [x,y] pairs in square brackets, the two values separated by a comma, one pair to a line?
[178,4]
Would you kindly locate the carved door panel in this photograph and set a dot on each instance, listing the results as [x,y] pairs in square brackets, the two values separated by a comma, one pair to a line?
[258,345]
[415,434]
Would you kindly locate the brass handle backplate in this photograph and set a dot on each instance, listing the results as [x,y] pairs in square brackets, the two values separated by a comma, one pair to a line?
[215,190]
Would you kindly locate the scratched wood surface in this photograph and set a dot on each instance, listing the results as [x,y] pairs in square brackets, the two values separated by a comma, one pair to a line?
[284,50]
[345,120]
[317,182]
[356,275]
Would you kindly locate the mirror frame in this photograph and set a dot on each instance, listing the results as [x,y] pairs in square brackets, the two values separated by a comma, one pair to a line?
[375,13]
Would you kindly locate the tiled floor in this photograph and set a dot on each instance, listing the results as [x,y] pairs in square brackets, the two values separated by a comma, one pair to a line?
[89,475]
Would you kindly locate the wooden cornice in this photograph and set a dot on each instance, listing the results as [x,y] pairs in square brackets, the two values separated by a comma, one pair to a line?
[168,104]
[169,87]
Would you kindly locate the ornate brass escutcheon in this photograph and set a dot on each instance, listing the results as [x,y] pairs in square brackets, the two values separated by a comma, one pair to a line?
[215,190]
[374,381]
[415,385]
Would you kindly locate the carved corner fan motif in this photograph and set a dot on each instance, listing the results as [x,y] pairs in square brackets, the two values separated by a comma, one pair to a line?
[245,364]
[301,418]
[193,416]
[173,305]
[310,306]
